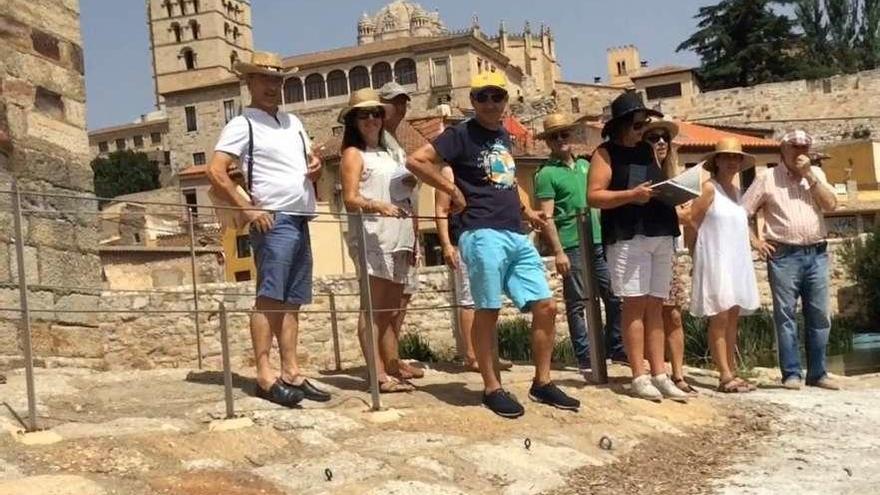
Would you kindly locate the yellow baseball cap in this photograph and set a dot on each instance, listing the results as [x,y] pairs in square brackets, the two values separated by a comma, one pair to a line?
[488,80]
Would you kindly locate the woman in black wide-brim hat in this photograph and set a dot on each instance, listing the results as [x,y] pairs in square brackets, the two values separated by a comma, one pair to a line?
[639,233]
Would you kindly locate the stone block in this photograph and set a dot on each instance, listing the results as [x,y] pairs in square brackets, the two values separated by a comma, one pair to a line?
[9,344]
[69,268]
[37,301]
[67,341]
[77,302]
[55,17]
[31,264]
[50,232]
[5,265]
[14,31]
[61,134]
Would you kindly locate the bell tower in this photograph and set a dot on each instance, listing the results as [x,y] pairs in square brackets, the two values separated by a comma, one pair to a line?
[195,42]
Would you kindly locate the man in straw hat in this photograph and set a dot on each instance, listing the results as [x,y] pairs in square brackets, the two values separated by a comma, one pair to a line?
[794,197]
[279,168]
[500,257]
[561,188]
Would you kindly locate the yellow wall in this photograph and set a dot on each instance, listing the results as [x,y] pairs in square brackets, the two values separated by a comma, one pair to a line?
[232,263]
[861,156]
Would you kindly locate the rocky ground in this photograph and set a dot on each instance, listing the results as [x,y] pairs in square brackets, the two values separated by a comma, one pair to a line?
[162,432]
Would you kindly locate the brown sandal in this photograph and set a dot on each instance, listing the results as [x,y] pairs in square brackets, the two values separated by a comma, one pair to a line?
[733,386]
[684,386]
[751,386]
[393,386]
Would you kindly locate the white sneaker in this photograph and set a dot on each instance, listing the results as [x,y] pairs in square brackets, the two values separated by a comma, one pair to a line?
[643,389]
[669,390]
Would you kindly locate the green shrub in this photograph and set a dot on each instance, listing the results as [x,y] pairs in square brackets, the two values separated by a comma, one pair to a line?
[861,258]
[413,346]
[515,339]
[563,353]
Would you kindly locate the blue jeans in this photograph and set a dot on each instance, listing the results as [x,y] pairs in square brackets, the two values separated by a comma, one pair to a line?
[800,271]
[574,291]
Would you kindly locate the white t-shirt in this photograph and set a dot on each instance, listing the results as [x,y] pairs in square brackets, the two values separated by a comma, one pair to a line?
[280,166]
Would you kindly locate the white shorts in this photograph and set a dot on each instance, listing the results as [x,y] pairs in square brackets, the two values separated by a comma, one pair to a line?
[463,285]
[641,266]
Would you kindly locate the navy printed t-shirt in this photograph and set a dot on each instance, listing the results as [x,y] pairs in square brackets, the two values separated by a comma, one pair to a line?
[485,172]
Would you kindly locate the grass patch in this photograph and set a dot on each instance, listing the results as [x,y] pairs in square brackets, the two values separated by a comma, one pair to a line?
[413,346]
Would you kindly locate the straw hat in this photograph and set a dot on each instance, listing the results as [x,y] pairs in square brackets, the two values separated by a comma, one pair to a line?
[362,98]
[667,125]
[555,122]
[731,146]
[266,63]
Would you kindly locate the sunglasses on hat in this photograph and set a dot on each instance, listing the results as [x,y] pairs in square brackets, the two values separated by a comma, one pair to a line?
[484,96]
[655,138]
[559,135]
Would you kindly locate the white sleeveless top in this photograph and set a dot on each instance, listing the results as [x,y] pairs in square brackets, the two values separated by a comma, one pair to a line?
[384,234]
[724,273]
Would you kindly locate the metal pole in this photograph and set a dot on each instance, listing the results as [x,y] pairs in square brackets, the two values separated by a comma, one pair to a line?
[334,328]
[25,309]
[227,369]
[192,261]
[456,318]
[367,297]
[594,315]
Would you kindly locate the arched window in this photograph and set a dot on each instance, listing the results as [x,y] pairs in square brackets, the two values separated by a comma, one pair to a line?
[293,90]
[405,71]
[235,33]
[195,28]
[381,74]
[226,29]
[169,8]
[337,83]
[233,58]
[195,6]
[175,28]
[315,89]
[182,7]
[358,77]
[189,58]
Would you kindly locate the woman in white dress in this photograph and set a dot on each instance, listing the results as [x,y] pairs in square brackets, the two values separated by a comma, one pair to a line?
[368,170]
[724,285]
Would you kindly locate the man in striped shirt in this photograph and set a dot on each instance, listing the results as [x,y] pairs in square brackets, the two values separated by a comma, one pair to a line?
[793,198]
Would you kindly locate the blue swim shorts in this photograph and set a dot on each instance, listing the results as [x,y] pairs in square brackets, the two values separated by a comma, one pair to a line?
[283,257]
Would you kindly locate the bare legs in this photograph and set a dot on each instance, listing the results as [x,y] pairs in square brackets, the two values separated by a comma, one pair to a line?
[386,300]
[722,342]
[643,334]
[270,321]
[674,329]
[466,325]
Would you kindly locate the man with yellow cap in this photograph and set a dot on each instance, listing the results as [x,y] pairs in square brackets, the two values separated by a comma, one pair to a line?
[500,257]
[275,155]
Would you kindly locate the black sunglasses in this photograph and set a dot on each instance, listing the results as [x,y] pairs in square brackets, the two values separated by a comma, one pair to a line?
[655,138]
[375,113]
[496,96]
[559,135]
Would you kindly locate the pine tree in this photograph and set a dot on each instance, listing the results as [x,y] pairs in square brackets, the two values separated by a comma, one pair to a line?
[124,172]
[743,43]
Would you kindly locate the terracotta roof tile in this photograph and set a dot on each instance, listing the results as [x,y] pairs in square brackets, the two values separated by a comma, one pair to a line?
[193,171]
[412,135]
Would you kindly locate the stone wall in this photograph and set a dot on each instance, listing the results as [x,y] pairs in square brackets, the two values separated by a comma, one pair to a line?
[832,109]
[146,269]
[42,111]
[164,338]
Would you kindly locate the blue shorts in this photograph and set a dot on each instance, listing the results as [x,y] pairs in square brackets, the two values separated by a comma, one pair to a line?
[283,257]
[503,262]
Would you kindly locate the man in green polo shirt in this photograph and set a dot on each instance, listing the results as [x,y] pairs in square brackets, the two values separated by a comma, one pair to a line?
[561,189]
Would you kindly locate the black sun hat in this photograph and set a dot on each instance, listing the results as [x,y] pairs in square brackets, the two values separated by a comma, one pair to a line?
[625,105]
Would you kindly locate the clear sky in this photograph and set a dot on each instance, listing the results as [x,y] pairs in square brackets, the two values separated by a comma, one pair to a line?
[119,80]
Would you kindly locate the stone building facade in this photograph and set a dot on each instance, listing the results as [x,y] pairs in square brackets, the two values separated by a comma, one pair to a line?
[42,112]
[149,134]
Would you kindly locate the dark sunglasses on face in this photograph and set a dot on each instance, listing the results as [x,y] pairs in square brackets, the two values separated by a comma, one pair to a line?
[496,96]
[375,113]
[560,135]
[655,138]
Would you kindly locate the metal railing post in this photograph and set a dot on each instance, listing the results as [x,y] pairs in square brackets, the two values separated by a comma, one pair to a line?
[456,318]
[26,344]
[195,286]
[594,315]
[334,329]
[367,297]
[227,367]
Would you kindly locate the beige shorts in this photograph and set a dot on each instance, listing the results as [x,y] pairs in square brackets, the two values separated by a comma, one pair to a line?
[394,266]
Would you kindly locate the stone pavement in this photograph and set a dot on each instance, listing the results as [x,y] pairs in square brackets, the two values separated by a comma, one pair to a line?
[162,431]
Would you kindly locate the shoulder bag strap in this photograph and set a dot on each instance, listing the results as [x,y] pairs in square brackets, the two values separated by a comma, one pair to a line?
[250,155]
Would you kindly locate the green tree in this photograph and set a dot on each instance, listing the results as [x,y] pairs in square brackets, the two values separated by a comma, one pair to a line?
[124,172]
[869,34]
[838,36]
[816,47]
[743,43]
